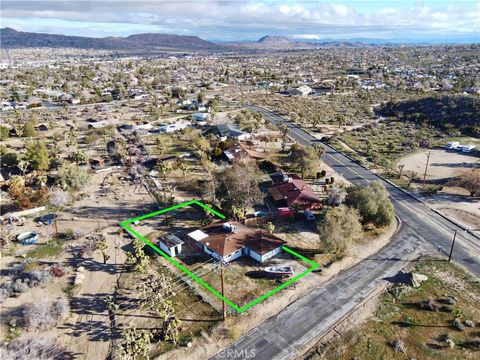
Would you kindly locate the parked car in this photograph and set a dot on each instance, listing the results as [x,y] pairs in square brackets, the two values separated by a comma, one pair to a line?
[260,213]
[309,215]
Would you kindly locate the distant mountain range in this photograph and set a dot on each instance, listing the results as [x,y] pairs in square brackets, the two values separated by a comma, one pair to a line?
[10,38]
[281,42]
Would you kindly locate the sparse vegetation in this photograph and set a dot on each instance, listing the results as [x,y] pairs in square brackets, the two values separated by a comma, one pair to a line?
[404,324]
[45,313]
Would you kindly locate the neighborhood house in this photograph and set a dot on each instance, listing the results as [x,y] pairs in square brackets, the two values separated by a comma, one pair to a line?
[292,193]
[231,240]
[229,131]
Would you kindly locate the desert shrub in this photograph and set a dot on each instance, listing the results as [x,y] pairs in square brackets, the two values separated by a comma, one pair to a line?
[34,347]
[16,269]
[72,177]
[60,308]
[429,305]
[20,286]
[398,345]
[57,270]
[45,313]
[39,277]
[234,333]
[59,198]
[457,324]
[4,132]
[336,196]
[6,290]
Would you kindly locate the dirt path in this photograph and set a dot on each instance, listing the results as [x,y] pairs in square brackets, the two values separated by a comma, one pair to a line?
[88,329]
[90,321]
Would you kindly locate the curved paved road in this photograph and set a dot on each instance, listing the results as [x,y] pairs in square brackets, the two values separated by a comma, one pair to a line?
[285,335]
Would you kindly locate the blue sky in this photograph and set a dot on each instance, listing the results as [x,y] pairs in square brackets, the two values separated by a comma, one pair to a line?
[248,20]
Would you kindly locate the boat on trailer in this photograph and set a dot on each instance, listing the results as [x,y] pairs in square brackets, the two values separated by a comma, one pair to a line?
[279,270]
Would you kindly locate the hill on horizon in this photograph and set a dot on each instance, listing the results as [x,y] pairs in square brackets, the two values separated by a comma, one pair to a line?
[11,38]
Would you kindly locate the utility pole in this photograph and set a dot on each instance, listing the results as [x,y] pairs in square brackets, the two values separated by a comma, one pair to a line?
[426,167]
[224,312]
[453,244]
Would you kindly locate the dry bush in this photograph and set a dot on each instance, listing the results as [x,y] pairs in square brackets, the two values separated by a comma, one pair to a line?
[20,286]
[39,277]
[45,313]
[58,270]
[34,347]
[6,290]
[234,333]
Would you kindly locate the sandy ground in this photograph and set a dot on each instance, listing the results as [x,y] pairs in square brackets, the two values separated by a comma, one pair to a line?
[463,209]
[87,330]
[208,345]
[89,324]
[443,164]
[453,202]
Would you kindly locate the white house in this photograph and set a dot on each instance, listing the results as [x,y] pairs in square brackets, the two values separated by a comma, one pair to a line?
[228,241]
[200,118]
[230,131]
[169,128]
[170,244]
[303,90]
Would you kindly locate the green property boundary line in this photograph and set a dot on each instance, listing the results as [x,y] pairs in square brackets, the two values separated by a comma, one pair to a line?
[125,224]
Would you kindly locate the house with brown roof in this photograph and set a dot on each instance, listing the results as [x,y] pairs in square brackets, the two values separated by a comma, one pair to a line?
[294,192]
[228,241]
[238,151]
[235,152]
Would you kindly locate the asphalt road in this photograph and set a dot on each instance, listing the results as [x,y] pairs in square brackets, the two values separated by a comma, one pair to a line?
[422,231]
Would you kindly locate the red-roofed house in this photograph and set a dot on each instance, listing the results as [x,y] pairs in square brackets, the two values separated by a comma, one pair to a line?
[294,192]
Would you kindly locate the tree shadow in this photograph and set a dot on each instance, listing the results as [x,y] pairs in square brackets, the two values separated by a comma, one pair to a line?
[89,304]
[96,330]
[406,324]
[435,346]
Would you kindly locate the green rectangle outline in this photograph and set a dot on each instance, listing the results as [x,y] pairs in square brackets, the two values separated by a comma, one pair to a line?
[125,224]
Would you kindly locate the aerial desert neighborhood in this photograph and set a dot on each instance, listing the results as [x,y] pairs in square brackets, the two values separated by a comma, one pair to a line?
[267,180]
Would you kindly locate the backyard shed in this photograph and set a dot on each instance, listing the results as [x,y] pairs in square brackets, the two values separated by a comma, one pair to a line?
[170,244]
